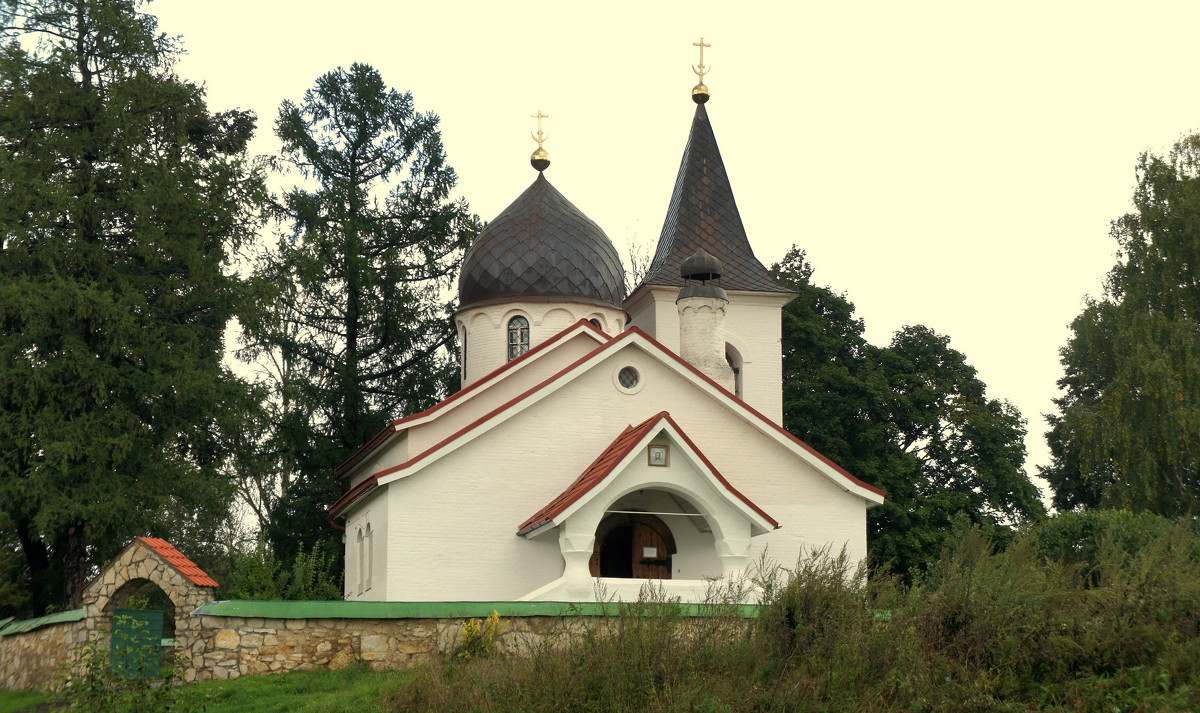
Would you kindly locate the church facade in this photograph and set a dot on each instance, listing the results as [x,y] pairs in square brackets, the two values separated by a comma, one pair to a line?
[600,441]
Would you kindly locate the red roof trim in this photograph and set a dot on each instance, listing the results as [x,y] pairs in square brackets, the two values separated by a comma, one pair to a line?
[716,473]
[841,471]
[593,475]
[596,473]
[492,375]
[351,496]
[612,344]
[176,559]
[502,407]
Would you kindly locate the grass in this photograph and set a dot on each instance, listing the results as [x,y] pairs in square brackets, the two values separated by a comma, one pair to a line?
[14,701]
[351,690]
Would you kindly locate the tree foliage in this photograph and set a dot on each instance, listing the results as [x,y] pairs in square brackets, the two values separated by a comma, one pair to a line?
[1128,429]
[355,328]
[912,418]
[121,196]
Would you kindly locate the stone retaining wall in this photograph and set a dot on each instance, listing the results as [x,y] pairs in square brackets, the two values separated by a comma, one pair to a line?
[230,647]
[229,639]
[33,660]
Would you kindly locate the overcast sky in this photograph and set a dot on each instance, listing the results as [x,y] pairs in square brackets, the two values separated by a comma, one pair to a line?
[953,164]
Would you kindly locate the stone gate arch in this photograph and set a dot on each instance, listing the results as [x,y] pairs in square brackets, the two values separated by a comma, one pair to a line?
[150,559]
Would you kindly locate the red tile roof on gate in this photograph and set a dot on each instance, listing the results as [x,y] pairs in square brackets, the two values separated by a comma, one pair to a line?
[176,559]
[609,458]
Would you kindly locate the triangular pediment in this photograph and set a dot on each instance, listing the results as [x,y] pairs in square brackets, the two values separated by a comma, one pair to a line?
[634,443]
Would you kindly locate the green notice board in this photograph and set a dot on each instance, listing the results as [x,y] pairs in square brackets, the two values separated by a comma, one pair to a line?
[136,643]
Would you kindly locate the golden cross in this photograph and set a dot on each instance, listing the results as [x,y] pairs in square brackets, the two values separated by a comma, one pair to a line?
[700,72]
[539,116]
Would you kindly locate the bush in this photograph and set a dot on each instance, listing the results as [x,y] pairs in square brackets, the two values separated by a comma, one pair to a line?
[256,574]
[94,683]
[1094,614]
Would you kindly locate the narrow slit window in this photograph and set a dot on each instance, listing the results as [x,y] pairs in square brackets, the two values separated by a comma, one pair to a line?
[359,564]
[370,562]
[518,337]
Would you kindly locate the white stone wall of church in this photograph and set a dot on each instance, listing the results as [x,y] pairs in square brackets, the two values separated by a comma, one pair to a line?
[417,439]
[452,526]
[752,326]
[500,392]
[485,329]
[366,569]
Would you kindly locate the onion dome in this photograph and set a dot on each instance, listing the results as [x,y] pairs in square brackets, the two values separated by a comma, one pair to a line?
[542,248]
[702,267]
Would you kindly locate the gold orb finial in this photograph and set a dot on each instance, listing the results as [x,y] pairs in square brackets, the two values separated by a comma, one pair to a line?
[540,160]
[700,91]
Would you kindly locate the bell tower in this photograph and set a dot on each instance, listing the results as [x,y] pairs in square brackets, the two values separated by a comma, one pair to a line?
[702,217]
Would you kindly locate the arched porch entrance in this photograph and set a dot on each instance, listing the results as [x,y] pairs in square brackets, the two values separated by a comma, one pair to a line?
[633,546]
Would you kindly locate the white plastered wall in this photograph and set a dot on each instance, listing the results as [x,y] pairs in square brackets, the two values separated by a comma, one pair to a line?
[451,531]
[752,326]
[366,533]
[484,329]
[415,438]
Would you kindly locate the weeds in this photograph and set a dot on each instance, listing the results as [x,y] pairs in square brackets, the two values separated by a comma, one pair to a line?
[94,682]
[1044,624]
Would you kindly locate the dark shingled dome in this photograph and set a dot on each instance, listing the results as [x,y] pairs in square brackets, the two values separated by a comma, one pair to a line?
[542,247]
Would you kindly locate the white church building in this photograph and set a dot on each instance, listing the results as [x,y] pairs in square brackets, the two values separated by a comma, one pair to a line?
[600,441]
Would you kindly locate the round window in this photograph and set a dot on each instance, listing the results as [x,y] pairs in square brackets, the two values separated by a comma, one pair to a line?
[629,377]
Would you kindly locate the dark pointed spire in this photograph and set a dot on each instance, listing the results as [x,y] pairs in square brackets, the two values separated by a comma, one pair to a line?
[704,217]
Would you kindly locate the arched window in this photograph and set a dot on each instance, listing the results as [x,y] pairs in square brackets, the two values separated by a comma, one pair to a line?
[370,562]
[518,337]
[462,361]
[359,541]
[734,360]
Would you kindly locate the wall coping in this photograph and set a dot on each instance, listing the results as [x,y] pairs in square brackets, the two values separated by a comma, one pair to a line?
[338,609]
[20,627]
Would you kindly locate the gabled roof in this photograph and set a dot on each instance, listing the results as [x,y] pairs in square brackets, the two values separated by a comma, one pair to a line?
[703,216]
[631,439]
[593,475]
[475,387]
[822,464]
[176,559]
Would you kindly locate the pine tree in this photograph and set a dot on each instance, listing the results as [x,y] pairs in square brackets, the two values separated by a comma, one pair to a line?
[357,330]
[121,198]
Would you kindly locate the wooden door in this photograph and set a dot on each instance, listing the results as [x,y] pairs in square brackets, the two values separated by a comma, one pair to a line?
[632,545]
[651,559]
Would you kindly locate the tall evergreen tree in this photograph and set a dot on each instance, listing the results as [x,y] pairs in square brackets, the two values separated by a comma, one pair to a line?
[912,418]
[121,197]
[357,331]
[1128,429]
